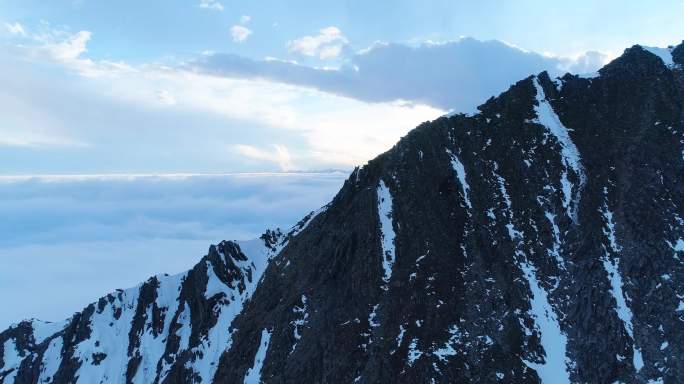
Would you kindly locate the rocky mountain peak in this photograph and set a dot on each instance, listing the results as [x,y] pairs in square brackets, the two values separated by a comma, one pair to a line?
[537,241]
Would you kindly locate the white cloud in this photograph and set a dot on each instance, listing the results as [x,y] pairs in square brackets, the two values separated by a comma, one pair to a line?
[211,4]
[239,33]
[324,118]
[457,75]
[319,129]
[67,49]
[15,29]
[279,155]
[585,62]
[71,48]
[244,19]
[328,44]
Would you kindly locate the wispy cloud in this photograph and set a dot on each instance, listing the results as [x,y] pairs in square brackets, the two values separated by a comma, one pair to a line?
[71,48]
[211,4]
[239,33]
[68,49]
[35,140]
[328,44]
[15,29]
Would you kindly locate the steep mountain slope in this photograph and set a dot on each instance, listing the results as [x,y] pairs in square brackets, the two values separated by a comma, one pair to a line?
[540,240]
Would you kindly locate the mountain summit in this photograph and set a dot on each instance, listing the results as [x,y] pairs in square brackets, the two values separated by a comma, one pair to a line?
[538,241]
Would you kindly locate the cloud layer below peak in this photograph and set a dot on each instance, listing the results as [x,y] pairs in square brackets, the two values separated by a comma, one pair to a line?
[78,237]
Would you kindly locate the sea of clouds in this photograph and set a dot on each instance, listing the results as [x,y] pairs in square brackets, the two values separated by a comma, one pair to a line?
[67,240]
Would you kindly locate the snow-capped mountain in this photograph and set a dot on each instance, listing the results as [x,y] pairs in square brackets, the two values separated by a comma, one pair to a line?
[538,241]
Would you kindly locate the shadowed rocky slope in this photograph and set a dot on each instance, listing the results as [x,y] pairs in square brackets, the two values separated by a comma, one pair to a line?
[539,241]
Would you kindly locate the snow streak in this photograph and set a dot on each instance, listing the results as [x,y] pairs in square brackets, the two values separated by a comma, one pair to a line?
[386,229]
[553,340]
[254,374]
[461,174]
[569,153]
[612,269]
[52,358]
[12,360]
[554,370]
[301,318]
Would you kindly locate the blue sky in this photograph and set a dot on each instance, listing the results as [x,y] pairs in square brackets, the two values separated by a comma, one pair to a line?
[228,86]
[171,30]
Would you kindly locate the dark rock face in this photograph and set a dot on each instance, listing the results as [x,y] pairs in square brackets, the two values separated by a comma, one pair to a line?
[678,54]
[539,241]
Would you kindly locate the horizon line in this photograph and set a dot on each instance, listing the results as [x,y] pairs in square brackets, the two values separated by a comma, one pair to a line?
[169,175]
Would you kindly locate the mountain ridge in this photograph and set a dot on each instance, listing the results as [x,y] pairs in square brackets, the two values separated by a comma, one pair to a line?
[497,247]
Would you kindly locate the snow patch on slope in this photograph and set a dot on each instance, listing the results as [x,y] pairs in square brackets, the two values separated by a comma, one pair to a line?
[152,347]
[613,271]
[373,317]
[299,322]
[108,335]
[44,329]
[413,352]
[386,229]
[555,251]
[12,360]
[254,374]
[185,322]
[569,153]
[461,174]
[52,358]
[553,340]
[400,336]
[665,54]
[678,246]
[183,333]
[214,285]
[447,349]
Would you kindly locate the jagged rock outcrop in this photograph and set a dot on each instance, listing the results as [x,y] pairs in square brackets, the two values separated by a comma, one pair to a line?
[540,240]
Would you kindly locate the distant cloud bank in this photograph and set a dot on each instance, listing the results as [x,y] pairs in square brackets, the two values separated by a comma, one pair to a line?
[457,75]
[68,239]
